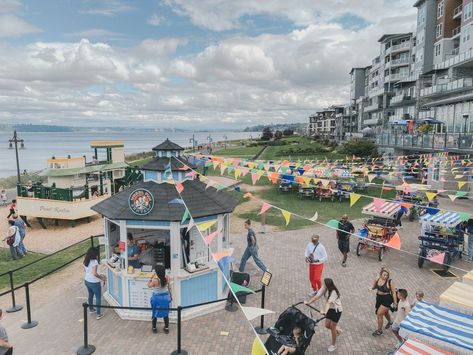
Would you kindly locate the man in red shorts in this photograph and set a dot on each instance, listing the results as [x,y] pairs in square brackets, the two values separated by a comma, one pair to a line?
[315,256]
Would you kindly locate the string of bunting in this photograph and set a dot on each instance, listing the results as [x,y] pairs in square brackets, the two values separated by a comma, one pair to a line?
[394,242]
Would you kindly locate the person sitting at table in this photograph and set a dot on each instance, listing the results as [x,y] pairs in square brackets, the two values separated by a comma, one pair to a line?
[133,252]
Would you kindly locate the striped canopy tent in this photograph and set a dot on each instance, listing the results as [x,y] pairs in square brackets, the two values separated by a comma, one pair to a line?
[416,347]
[442,219]
[458,297]
[386,210]
[439,326]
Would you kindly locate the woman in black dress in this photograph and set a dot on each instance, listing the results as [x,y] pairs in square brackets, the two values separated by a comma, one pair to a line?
[386,298]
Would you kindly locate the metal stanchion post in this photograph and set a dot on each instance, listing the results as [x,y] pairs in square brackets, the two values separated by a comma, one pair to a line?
[15,307]
[30,323]
[86,349]
[260,329]
[179,351]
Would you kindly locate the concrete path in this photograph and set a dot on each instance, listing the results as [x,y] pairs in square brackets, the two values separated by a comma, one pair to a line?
[57,303]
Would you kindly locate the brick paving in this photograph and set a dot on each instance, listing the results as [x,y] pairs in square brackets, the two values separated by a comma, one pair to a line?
[57,303]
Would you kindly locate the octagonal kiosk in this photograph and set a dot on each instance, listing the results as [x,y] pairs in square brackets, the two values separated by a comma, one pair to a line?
[151,211]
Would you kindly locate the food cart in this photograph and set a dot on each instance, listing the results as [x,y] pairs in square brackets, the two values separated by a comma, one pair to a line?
[152,211]
[343,189]
[442,235]
[286,182]
[378,229]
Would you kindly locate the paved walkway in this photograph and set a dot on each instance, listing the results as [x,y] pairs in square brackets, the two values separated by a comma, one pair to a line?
[57,303]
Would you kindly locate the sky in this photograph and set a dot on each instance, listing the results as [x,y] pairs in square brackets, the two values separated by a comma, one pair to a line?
[197,64]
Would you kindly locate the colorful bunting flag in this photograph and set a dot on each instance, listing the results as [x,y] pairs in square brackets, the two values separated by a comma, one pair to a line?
[430,195]
[286,215]
[437,258]
[220,255]
[266,206]
[191,224]
[210,237]
[185,216]
[452,197]
[354,198]
[461,184]
[179,187]
[206,225]
[248,195]
[394,242]
[314,217]
[333,223]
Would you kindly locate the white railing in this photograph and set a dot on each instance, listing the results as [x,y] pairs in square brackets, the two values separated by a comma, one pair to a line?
[395,77]
[372,107]
[425,114]
[458,59]
[376,92]
[371,121]
[457,11]
[464,83]
[400,61]
[401,46]
[456,31]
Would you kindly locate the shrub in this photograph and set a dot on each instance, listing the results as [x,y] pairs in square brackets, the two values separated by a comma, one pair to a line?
[267,134]
[360,148]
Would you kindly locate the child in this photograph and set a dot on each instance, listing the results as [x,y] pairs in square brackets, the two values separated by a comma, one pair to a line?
[403,308]
[296,336]
[3,197]
[419,298]
[12,209]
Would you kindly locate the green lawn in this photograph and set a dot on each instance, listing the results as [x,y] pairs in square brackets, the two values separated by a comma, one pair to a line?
[140,162]
[38,269]
[241,152]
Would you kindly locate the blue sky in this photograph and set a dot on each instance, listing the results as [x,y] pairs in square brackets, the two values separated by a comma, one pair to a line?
[203,63]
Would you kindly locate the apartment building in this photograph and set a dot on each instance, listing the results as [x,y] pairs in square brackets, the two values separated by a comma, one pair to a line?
[323,123]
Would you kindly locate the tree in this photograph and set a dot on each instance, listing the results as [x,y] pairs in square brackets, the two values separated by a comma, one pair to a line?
[278,134]
[360,148]
[267,134]
[288,132]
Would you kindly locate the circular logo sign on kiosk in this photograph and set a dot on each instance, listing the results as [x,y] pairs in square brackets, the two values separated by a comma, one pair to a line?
[141,202]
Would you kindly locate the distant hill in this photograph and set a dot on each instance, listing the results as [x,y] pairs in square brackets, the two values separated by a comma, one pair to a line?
[274,127]
[42,128]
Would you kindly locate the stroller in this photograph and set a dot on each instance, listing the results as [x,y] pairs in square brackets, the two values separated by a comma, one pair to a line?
[281,332]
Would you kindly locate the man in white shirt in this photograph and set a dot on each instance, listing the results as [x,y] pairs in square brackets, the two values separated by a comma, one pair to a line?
[315,256]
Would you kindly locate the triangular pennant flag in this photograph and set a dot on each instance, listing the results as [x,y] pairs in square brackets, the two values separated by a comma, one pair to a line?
[184,167]
[237,173]
[222,169]
[248,195]
[461,184]
[191,224]
[220,255]
[452,197]
[176,201]
[430,195]
[209,238]
[179,187]
[394,242]
[371,177]
[314,217]
[286,215]
[185,216]
[254,178]
[238,288]
[353,198]
[253,312]
[266,206]
[206,225]
[333,223]
[437,258]
[461,193]
[191,174]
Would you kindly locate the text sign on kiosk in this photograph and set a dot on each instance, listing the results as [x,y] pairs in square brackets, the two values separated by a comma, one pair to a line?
[266,278]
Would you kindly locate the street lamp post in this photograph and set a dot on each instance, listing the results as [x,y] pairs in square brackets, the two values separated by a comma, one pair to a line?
[15,141]
[192,140]
[210,140]
[225,138]
[465,118]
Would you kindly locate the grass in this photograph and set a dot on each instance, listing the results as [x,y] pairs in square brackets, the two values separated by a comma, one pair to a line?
[140,162]
[38,269]
[241,152]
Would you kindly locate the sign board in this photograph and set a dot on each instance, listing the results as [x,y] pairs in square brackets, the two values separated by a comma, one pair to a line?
[266,278]
[141,202]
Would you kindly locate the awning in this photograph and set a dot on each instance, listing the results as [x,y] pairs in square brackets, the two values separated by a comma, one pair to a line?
[445,219]
[386,210]
[431,121]
[400,123]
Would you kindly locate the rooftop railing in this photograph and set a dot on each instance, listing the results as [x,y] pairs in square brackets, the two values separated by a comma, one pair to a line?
[431,141]
[456,85]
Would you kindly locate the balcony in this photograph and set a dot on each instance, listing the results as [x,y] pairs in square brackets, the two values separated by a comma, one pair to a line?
[428,142]
[377,92]
[466,57]
[401,99]
[370,122]
[457,11]
[400,47]
[373,107]
[456,85]
[395,77]
[400,61]
[456,32]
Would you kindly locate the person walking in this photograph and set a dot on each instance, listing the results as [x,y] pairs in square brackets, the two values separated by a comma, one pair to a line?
[386,299]
[403,309]
[4,197]
[12,208]
[251,249]
[469,233]
[161,298]
[315,256]
[22,229]
[93,281]
[345,228]
[332,310]
[13,240]
[5,347]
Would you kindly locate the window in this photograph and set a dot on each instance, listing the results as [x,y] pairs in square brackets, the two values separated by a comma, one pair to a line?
[437,49]
[438,30]
[440,8]
[467,10]
[466,33]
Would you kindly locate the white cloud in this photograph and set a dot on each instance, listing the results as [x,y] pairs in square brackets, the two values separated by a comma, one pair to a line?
[107,8]
[97,33]
[13,26]
[9,6]
[155,20]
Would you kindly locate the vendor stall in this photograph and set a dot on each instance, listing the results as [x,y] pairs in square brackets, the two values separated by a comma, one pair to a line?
[438,326]
[152,212]
[416,347]
[458,297]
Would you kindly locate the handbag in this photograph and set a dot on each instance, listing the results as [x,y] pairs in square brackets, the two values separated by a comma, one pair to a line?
[11,240]
[310,258]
